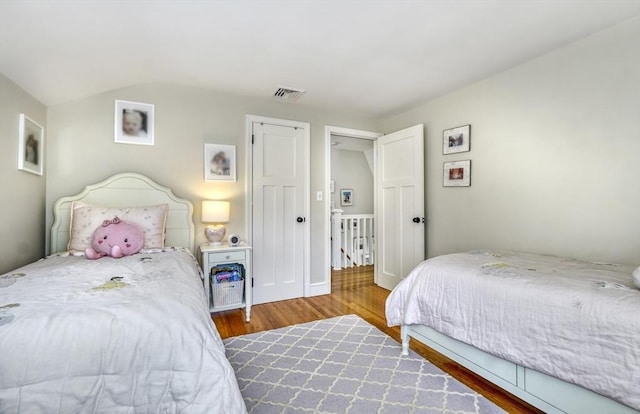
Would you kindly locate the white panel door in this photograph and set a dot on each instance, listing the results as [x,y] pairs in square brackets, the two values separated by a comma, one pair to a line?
[400,204]
[279,225]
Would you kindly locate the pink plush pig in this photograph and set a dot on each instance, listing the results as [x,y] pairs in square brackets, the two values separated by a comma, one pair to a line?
[115,238]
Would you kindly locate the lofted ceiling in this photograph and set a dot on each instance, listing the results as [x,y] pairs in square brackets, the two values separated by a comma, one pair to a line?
[376,57]
[340,142]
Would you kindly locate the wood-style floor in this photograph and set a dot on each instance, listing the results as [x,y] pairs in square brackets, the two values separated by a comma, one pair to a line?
[353,292]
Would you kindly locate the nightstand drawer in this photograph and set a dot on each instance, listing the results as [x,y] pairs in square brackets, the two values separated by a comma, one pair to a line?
[226,256]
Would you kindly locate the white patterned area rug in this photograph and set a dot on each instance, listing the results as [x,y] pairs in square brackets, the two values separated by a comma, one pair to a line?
[343,365]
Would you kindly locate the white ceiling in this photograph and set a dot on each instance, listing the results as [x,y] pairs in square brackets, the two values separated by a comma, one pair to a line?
[378,57]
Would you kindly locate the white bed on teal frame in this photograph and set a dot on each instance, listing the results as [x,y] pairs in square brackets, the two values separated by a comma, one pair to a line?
[545,392]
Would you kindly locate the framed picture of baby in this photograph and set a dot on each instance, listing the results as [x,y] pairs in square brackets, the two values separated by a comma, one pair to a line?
[30,146]
[133,123]
[219,162]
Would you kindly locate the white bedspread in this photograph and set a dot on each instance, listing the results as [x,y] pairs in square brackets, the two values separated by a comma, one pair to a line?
[72,340]
[574,320]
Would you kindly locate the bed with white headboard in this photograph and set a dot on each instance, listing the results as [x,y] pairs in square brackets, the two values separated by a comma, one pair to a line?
[127,190]
[124,335]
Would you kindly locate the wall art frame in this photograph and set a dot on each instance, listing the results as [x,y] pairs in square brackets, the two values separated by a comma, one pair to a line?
[134,123]
[219,162]
[457,174]
[31,154]
[455,140]
[346,197]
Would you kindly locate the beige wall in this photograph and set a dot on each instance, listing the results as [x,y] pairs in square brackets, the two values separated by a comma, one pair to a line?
[22,194]
[555,146]
[349,169]
[82,151]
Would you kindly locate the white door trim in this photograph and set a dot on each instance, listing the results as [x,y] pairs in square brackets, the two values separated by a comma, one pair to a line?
[250,119]
[325,287]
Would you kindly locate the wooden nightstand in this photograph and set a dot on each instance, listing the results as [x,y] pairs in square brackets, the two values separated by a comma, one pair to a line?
[224,254]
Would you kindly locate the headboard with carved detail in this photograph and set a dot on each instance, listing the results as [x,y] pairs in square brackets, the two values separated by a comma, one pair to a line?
[127,190]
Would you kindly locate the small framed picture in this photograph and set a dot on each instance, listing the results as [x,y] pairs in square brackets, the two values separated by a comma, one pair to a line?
[219,162]
[456,140]
[30,146]
[133,123]
[346,197]
[457,174]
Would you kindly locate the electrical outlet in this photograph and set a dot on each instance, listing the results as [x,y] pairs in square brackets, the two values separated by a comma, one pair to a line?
[318,195]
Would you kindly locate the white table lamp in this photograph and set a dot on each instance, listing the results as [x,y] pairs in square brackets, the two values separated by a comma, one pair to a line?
[216,212]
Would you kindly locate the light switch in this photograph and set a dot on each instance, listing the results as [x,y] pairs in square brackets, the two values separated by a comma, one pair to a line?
[318,195]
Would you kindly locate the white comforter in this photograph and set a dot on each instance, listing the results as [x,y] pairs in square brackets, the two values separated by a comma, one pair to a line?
[72,340]
[574,320]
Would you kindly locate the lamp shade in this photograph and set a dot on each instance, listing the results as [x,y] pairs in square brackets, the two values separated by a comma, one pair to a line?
[215,211]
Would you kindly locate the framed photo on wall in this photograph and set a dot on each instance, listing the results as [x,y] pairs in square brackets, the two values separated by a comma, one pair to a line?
[30,146]
[219,162]
[457,173]
[456,140]
[134,123]
[346,197]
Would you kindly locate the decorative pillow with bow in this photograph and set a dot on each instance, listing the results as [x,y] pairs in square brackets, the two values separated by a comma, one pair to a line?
[115,238]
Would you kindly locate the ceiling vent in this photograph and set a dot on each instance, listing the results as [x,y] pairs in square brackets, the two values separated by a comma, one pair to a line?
[288,94]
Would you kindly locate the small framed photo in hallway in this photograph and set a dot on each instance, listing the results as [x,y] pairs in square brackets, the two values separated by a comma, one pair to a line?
[346,197]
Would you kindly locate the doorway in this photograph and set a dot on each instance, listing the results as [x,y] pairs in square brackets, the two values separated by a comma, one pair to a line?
[350,205]
[398,210]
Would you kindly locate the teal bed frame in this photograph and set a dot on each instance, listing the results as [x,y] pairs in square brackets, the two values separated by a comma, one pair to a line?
[545,392]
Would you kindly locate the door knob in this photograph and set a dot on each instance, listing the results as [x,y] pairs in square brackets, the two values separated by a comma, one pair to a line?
[416,220]
[300,220]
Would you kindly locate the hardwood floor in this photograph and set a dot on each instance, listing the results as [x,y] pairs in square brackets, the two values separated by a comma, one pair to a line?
[353,292]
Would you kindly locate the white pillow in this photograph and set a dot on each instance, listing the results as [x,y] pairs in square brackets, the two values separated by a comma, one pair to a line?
[85,218]
[636,277]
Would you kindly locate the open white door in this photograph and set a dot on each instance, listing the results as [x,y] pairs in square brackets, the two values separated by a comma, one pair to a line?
[280,196]
[400,204]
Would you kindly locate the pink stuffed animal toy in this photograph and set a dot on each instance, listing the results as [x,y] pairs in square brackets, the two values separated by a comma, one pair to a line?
[115,238]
